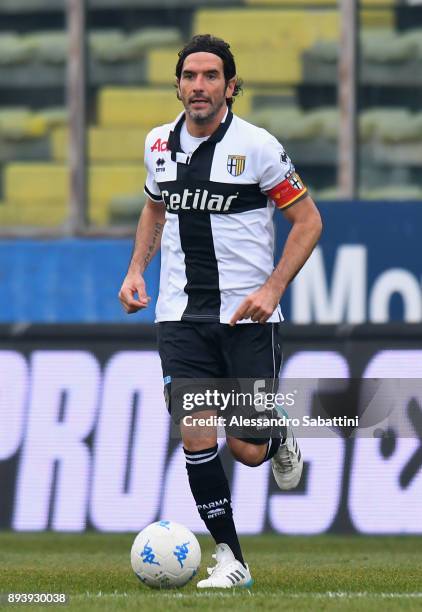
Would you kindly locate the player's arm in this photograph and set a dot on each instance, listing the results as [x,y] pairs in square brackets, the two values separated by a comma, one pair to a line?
[147,242]
[301,240]
[303,236]
[280,182]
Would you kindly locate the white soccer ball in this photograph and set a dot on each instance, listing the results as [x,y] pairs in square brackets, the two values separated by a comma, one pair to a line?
[165,555]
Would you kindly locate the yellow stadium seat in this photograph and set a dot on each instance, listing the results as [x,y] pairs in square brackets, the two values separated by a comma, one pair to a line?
[104,144]
[146,108]
[377,18]
[381,3]
[36,214]
[376,14]
[288,3]
[36,182]
[266,67]
[137,107]
[255,30]
[254,65]
[312,3]
[20,123]
[268,44]
[32,187]
[161,66]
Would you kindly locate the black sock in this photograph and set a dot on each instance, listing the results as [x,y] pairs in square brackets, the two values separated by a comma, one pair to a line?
[272,448]
[278,437]
[211,492]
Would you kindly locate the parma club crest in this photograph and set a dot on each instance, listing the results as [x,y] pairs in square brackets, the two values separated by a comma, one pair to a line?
[295,181]
[236,164]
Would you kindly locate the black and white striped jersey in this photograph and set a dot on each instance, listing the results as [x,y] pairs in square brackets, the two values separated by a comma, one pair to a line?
[217,245]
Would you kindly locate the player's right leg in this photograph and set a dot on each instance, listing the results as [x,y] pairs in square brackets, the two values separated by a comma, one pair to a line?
[211,492]
[187,354]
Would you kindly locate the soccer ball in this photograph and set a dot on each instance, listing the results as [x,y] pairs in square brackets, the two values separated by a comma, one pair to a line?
[165,555]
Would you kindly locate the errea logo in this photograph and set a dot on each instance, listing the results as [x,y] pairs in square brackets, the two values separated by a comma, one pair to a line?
[160,163]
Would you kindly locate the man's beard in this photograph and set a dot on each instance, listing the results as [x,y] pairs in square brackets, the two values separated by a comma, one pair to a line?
[204,119]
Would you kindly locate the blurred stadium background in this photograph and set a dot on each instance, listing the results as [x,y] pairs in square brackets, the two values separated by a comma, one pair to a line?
[84,435]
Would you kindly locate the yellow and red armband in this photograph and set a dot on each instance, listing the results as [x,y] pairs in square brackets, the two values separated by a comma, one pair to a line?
[288,191]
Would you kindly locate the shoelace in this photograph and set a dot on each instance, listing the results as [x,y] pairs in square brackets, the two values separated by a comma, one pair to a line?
[285,459]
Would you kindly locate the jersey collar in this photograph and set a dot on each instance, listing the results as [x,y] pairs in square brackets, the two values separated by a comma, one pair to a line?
[173,143]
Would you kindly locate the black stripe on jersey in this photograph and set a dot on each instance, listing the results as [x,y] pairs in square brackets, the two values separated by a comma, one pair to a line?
[197,243]
[210,196]
[202,287]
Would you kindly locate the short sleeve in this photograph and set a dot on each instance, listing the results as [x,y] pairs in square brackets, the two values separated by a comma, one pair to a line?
[151,188]
[275,164]
[278,178]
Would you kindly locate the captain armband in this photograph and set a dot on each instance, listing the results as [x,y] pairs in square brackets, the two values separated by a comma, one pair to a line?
[288,191]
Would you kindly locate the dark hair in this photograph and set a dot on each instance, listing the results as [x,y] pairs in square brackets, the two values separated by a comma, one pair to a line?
[211,44]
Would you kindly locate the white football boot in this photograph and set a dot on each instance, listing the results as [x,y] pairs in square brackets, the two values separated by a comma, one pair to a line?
[287,463]
[227,573]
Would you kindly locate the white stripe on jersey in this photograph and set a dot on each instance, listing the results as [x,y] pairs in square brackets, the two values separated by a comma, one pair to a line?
[172,299]
[240,271]
[221,193]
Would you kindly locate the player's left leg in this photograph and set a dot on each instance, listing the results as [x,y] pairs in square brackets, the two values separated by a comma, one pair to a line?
[253,351]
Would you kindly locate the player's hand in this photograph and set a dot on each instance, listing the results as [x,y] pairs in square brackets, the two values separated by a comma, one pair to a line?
[258,306]
[133,285]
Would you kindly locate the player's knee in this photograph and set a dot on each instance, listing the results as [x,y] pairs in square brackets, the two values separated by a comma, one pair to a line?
[251,455]
[197,443]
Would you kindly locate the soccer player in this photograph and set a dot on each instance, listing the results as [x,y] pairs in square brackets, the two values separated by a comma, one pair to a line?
[213,184]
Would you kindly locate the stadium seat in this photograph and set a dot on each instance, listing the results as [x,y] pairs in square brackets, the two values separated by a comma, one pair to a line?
[104,144]
[291,123]
[377,120]
[36,186]
[385,46]
[150,38]
[387,58]
[51,47]
[36,214]
[148,107]
[117,47]
[21,122]
[268,43]
[161,66]
[252,66]
[18,123]
[137,107]
[255,30]
[318,3]
[12,51]
[48,47]
[126,209]
[370,18]
[289,3]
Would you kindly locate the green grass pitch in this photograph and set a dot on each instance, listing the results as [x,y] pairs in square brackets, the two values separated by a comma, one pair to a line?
[290,573]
